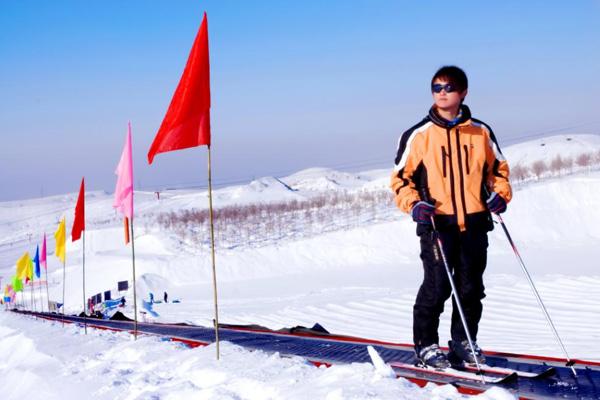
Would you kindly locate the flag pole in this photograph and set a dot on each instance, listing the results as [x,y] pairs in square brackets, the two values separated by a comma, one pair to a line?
[47,292]
[84,305]
[135,321]
[63,297]
[212,241]
[40,287]
[45,254]
[31,292]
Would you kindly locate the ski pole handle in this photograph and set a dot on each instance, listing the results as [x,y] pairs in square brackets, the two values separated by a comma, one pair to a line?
[424,194]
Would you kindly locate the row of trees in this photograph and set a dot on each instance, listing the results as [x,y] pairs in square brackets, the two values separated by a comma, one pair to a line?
[556,167]
[259,224]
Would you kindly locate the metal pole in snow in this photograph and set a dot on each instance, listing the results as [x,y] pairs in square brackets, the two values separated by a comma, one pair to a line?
[63,296]
[40,287]
[135,323]
[31,293]
[212,241]
[537,295]
[84,303]
[47,292]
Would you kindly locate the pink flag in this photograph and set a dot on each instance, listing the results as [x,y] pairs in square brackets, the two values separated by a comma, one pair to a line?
[124,190]
[43,255]
[10,292]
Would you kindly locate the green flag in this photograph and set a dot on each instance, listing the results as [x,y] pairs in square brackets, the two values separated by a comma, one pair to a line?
[17,284]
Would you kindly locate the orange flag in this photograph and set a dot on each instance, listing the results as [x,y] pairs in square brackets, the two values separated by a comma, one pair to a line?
[187,121]
[126,226]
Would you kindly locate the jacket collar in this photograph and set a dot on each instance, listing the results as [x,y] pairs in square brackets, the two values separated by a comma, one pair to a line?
[464,116]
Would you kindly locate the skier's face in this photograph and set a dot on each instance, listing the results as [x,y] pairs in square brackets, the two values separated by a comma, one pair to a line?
[447,100]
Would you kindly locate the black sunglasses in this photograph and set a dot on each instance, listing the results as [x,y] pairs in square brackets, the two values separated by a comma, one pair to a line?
[438,87]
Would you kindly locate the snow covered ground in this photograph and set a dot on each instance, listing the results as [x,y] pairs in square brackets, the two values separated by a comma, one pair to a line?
[359,278]
[43,360]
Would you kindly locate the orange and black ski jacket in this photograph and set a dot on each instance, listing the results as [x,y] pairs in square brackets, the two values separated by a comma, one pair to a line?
[451,165]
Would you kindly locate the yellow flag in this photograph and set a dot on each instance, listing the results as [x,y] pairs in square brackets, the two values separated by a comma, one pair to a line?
[60,238]
[23,265]
[30,270]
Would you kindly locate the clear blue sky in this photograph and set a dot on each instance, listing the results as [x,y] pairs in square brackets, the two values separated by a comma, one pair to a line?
[294,84]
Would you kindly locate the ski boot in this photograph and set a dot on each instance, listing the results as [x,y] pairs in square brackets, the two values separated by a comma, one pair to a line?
[432,356]
[461,352]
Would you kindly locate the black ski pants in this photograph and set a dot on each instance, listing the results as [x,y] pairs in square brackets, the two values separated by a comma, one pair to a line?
[466,253]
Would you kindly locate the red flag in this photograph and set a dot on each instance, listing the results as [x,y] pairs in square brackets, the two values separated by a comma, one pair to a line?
[187,122]
[79,222]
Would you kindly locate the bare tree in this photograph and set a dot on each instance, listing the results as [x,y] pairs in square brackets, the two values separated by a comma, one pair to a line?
[538,168]
[584,160]
[568,163]
[520,172]
[556,165]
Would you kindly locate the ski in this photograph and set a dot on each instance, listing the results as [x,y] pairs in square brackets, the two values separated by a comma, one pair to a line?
[489,369]
[452,374]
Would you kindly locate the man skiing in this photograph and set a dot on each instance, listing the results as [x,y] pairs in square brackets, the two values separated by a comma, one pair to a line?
[449,167]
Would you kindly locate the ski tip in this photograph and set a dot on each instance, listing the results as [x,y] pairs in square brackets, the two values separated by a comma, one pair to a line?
[547,373]
[551,371]
[510,378]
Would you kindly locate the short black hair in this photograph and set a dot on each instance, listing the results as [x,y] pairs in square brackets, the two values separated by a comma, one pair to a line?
[453,75]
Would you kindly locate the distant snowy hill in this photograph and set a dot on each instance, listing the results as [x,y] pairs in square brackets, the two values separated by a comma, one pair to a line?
[323,179]
[547,148]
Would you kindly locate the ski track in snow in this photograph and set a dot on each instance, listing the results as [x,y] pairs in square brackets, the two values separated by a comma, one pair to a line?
[512,319]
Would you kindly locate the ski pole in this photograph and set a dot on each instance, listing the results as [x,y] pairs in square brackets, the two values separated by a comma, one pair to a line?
[570,362]
[455,294]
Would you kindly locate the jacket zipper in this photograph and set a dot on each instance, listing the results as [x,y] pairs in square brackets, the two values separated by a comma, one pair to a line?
[466,158]
[444,160]
[461,177]
[452,192]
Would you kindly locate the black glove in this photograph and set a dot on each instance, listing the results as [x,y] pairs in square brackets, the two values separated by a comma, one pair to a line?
[422,212]
[496,204]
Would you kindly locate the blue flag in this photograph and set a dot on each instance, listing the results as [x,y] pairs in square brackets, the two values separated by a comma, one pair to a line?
[36,260]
